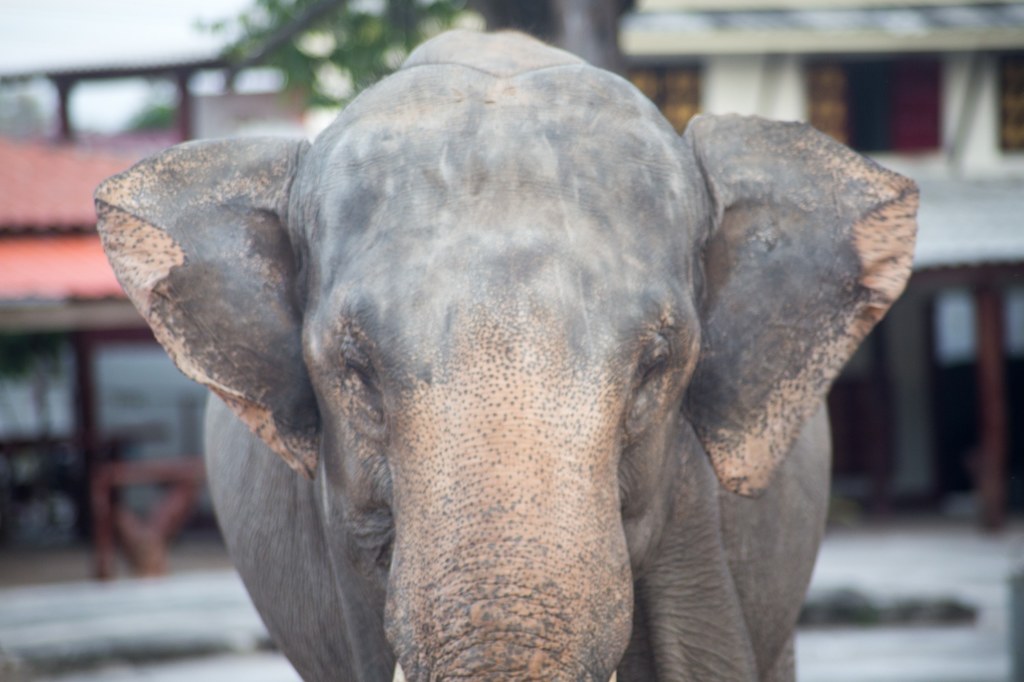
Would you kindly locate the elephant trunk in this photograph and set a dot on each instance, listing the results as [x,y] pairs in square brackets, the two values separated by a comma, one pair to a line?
[400,675]
[510,561]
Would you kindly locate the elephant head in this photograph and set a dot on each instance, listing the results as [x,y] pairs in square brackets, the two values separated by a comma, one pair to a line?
[490,309]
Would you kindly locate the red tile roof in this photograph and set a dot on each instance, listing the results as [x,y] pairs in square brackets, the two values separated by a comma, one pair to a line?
[48,187]
[55,267]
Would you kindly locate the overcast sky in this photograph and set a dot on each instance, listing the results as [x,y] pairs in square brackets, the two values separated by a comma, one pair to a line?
[47,34]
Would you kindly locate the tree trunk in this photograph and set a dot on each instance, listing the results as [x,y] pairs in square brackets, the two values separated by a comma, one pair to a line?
[529,16]
[588,28]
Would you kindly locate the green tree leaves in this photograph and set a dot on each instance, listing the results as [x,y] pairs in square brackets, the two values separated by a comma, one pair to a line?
[340,47]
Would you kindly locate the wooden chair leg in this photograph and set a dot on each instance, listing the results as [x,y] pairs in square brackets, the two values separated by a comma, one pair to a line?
[143,546]
[144,541]
[100,491]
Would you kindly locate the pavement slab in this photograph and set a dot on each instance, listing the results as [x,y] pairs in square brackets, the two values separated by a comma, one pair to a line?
[918,560]
[77,625]
[252,667]
[200,626]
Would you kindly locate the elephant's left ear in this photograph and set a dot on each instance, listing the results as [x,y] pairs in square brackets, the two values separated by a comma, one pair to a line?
[198,237]
[810,245]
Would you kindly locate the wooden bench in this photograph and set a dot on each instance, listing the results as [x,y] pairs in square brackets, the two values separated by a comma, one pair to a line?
[143,540]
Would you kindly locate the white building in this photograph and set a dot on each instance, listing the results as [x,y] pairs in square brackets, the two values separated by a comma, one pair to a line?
[934,89]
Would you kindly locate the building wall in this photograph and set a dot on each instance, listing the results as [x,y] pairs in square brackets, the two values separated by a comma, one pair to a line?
[228,115]
[20,417]
[774,86]
[906,338]
[140,396]
[971,102]
[770,86]
[969,147]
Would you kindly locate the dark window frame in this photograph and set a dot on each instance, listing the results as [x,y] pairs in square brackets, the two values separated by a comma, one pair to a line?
[875,104]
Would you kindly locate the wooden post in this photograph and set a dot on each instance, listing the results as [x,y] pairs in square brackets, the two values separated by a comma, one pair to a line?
[931,393]
[184,119]
[100,490]
[85,439]
[879,423]
[65,133]
[1017,624]
[991,397]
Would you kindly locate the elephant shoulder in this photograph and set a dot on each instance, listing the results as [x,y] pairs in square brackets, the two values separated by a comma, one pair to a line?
[772,541]
[268,522]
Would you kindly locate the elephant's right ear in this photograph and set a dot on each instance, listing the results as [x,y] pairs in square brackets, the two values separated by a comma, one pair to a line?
[197,235]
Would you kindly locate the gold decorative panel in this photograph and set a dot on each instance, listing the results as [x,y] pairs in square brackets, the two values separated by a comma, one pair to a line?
[675,90]
[826,97]
[1011,104]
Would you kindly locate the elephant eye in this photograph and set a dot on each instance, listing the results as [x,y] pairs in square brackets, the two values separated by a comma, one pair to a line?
[373,532]
[654,358]
[361,370]
[361,382]
[357,361]
[653,361]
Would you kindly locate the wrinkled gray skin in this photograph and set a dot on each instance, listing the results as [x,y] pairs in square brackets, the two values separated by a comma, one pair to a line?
[728,581]
[550,375]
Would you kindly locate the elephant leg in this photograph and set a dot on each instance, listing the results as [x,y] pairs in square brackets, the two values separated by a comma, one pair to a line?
[773,541]
[638,662]
[784,669]
[695,624]
[269,520]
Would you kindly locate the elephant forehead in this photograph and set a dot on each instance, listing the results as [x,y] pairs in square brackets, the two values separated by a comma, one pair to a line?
[560,190]
[589,296]
[503,163]
[450,137]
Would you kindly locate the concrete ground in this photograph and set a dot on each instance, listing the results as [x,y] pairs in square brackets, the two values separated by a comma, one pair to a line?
[197,624]
[196,551]
[916,560]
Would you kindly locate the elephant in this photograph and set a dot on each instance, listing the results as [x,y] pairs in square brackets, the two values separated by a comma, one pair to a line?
[509,380]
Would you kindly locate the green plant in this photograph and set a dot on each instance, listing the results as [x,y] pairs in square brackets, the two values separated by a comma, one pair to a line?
[22,354]
[345,48]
